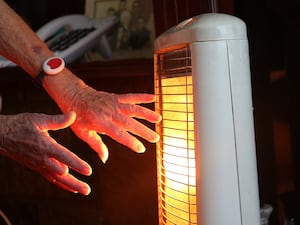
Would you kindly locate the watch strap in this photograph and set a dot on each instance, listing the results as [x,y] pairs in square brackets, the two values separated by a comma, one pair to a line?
[37,81]
[51,66]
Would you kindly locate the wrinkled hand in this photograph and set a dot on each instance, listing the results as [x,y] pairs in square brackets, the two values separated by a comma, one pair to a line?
[24,138]
[111,114]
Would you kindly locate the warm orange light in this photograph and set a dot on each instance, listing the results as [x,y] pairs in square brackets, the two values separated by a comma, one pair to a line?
[176,155]
[206,162]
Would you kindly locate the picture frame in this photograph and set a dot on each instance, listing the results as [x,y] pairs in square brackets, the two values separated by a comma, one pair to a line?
[134,36]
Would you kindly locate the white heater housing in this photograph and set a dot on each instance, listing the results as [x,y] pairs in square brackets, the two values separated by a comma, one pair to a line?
[203,62]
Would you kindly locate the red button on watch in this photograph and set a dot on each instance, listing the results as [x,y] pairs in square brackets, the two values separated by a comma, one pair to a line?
[53,65]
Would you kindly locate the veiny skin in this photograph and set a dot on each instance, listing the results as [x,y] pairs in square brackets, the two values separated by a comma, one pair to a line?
[24,137]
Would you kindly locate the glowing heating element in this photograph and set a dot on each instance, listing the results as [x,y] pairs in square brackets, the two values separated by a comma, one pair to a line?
[176,153]
[206,162]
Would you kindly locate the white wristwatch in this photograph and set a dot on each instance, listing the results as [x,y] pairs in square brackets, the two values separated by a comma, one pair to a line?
[51,66]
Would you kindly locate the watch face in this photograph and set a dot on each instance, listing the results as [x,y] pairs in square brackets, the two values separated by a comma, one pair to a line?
[53,65]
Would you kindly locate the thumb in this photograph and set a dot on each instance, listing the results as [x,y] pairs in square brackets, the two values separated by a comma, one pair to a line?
[56,122]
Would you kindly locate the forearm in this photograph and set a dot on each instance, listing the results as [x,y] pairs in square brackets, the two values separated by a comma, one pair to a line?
[22,46]
[19,43]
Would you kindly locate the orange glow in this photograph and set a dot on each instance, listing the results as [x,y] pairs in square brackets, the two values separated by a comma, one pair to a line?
[176,155]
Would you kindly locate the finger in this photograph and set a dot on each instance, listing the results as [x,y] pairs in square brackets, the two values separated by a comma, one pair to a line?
[136,128]
[53,180]
[136,98]
[72,183]
[56,122]
[123,137]
[65,187]
[94,141]
[70,159]
[56,166]
[140,112]
[69,183]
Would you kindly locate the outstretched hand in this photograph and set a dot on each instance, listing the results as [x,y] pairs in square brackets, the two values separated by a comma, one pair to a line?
[24,138]
[111,114]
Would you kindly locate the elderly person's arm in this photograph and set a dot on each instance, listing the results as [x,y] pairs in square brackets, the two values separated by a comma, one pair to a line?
[97,112]
[24,137]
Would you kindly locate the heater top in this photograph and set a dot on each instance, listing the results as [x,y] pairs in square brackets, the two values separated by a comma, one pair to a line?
[204,27]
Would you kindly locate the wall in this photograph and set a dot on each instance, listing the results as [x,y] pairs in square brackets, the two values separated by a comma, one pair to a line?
[274,65]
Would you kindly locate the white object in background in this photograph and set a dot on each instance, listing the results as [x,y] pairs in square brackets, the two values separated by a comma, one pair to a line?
[213,49]
[80,34]
[5,63]
[265,213]
[100,27]
[289,221]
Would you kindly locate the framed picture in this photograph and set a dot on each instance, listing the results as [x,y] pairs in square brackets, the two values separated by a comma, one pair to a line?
[134,36]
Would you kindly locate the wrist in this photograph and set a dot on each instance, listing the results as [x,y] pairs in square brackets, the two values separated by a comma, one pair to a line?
[63,87]
[52,66]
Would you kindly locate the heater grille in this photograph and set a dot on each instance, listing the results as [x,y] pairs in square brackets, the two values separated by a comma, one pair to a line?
[176,149]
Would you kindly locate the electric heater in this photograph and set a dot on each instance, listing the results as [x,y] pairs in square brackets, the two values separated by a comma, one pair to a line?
[206,157]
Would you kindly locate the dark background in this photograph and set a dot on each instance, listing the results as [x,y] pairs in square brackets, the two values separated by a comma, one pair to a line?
[124,190]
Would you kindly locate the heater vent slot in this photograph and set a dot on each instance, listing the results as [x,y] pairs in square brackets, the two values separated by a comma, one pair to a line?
[176,63]
[176,149]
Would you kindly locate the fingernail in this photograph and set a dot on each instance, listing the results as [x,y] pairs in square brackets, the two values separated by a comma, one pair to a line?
[88,171]
[103,159]
[104,156]
[140,148]
[159,118]
[88,191]
[156,138]
[85,190]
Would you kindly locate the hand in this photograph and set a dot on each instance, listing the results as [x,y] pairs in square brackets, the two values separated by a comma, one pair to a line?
[24,138]
[111,114]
